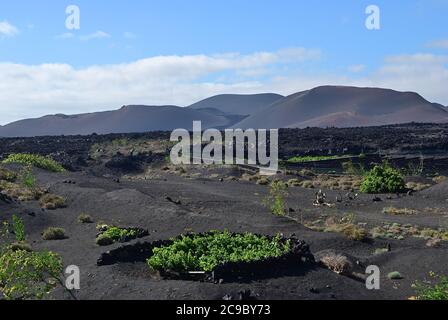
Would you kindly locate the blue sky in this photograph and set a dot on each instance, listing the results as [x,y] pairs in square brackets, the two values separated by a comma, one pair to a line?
[137,46]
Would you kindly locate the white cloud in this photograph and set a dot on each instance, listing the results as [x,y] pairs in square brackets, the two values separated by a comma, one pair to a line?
[66,35]
[441,43]
[7,29]
[95,35]
[36,90]
[356,68]
[426,74]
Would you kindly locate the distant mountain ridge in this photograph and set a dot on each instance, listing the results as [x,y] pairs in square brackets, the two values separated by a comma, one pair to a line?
[128,119]
[326,106]
[337,106]
[238,104]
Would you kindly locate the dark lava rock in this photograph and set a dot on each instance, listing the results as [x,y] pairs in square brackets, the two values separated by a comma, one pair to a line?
[124,164]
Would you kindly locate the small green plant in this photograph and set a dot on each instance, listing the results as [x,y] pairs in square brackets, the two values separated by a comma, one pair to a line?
[19,228]
[437,291]
[28,275]
[35,160]
[205,252]
[383,179]
[54,234]
[394,275]
[28,178]
[276,200]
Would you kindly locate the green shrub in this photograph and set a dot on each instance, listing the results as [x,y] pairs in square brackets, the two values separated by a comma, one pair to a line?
[54,234]
[28,178]
[117,234]
[383,179]
[438,291]
[205,252]
[112,234]
[19,228]
[35,160]
[276,201]
[28,275]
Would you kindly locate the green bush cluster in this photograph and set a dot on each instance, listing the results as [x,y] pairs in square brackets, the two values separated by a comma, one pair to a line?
[113,234]
[301,159]
[438,291]
[205,252]
[35,160]
[28,275]
[383,179]
[117,234]
[24,273]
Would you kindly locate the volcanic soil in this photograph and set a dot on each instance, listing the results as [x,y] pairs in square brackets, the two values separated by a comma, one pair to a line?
[125,180]
[167,204]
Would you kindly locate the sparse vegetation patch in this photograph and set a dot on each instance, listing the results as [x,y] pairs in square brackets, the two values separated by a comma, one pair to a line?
[52,202]
[345,225]
[54,234]
[20,192]
[35,160]
[85,218]
[399,232]
[399,211]
[7,175]
[301,159]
